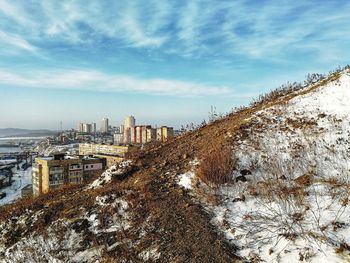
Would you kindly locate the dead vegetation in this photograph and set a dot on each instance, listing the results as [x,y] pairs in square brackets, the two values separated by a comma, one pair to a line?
[216,166]
[172,221]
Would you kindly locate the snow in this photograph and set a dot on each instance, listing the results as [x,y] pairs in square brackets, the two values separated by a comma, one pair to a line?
[149,254]
[8,161]
[20,179]
[60,242]
[106,177]
[119,220]
[185,180]
[307,137]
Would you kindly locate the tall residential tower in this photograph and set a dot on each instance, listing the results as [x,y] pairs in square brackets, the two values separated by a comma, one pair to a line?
[104,125]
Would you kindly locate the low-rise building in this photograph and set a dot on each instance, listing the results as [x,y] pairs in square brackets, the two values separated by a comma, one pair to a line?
[92,148]
[112,153]
[51,172]
[110,159]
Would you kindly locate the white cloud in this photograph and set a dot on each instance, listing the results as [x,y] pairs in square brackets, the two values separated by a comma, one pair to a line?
[16,41]
[224,29]
[99,81]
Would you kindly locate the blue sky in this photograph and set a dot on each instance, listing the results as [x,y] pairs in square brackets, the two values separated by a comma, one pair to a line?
[165,62]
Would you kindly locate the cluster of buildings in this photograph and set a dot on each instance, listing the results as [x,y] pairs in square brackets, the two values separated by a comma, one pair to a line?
[90,128]
[60,169]
[130,133]
[87,128]
[95,154]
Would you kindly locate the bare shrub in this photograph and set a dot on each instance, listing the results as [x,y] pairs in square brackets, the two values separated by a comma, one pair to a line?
[215,167]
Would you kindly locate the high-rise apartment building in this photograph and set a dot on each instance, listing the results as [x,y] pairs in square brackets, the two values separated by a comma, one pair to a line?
[104,125]
[87,127]
[139,134]
[81,127]
[129,122]
[93,127]
[164,133]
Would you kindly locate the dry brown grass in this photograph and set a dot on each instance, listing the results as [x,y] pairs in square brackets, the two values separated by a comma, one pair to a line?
[216,166]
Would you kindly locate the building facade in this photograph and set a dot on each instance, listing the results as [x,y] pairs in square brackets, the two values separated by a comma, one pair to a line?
[129,122]
[145,133]
[112,153]
[92,148]
[118,138]
[104,125]
[87,127]
[81,127]
[165,133]
[52,172]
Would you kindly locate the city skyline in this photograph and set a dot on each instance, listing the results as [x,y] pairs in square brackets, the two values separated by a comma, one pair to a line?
[166,63]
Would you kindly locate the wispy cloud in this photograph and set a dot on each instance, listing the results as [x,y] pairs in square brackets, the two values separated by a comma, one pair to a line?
[99,81]
[16,41]
[192,28]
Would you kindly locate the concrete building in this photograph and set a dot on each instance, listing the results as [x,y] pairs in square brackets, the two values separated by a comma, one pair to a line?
[110,159]
[104,125]
[118,138]
[112,153]
[93,128]
[129,122]
[139,134]
[151,135]
[91,149]
[87,128]
[51,172]
[121,128]
[81,127]
[164,133]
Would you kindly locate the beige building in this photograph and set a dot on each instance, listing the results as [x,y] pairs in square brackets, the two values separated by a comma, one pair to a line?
[139,134]
[92,148]
[112,153]
[104,125]
[165,133]
[129,122]
[52,172]
[110,159]
[118,138]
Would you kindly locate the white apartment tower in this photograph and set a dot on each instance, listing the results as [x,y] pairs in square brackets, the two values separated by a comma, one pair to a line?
[80,127]
[93,127]
[129,122]
[104,125]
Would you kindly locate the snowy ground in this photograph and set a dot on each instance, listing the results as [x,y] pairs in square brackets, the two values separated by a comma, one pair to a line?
[67,236]
[20,179]
[295,204]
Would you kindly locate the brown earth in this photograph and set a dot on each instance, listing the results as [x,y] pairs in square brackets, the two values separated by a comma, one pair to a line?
[178,225]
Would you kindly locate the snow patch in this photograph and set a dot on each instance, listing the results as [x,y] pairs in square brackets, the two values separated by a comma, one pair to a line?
[185,180]
[106,177]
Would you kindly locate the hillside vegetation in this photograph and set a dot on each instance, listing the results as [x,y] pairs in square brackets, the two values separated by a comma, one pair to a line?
[269,182]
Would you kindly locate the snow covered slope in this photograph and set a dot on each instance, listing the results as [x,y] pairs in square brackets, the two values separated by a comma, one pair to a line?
[295,156]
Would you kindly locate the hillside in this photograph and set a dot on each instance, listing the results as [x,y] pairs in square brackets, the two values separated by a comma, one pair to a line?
[286,199]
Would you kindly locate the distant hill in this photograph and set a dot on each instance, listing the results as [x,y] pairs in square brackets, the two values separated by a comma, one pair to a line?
[11,132]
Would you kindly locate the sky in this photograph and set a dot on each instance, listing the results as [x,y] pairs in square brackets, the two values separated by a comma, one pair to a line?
[165,62]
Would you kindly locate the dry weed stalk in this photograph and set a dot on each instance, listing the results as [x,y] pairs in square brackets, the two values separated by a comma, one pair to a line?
[216,167]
